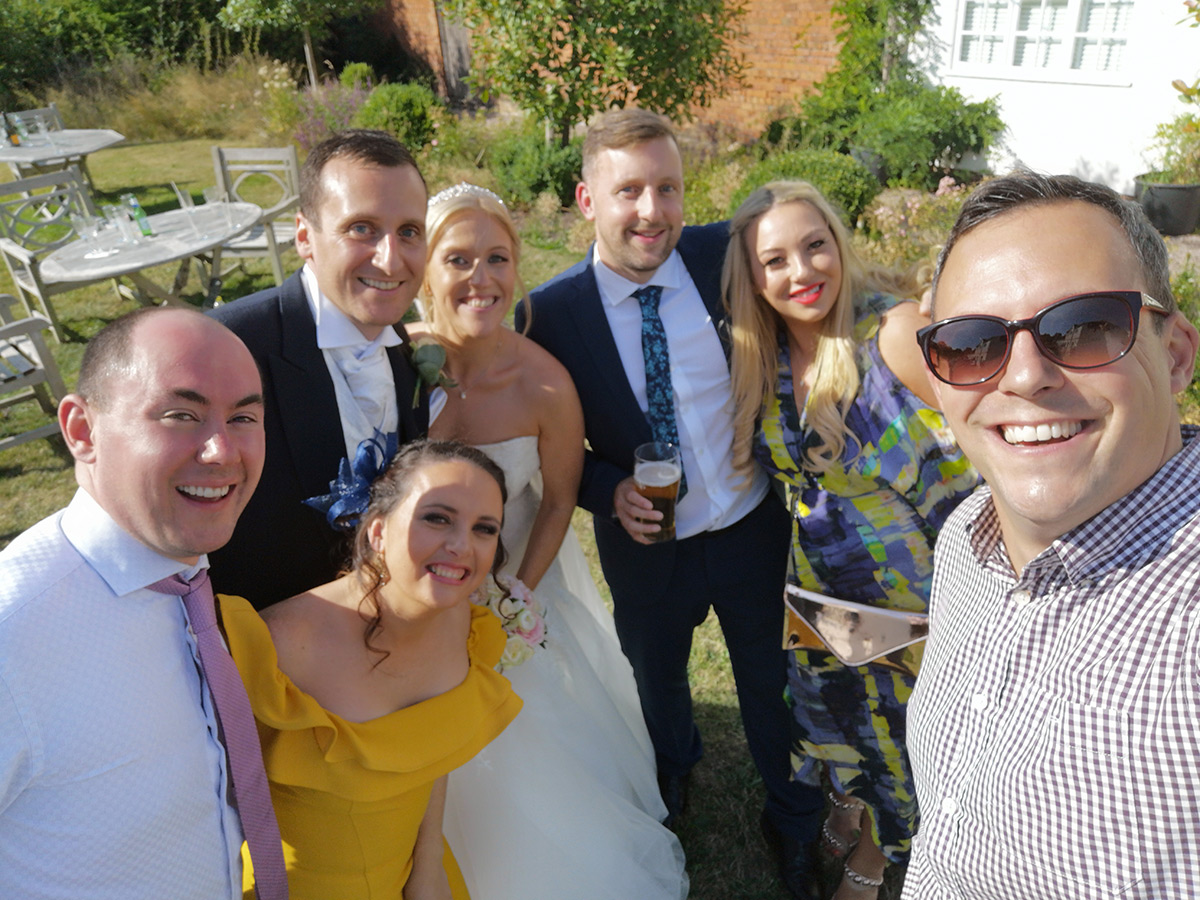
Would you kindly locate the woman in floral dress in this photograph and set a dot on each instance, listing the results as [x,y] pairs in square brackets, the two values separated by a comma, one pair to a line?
[833,401]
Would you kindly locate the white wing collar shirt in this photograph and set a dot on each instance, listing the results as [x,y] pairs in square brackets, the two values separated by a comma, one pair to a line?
[113,783]
[363,381]
[1055,727]
[716,498]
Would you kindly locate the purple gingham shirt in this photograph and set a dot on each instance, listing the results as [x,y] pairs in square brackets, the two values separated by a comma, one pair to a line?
[1055,727]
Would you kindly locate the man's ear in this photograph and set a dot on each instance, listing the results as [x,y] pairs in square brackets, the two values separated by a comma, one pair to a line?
[304,231]
[74,420]
[583,197]
[1181,340]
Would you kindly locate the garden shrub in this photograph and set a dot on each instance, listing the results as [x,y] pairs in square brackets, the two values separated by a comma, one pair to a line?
[326,108]
[357,74]
[230,102]
[526,166]
[406,110]
[711,185]
[844,181]
[905,226]
[1185,285]
[922,131]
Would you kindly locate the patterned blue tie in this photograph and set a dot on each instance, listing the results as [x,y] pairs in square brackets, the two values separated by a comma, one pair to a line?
[657,356]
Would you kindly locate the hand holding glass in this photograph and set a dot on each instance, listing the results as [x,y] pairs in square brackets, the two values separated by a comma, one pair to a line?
[657,471]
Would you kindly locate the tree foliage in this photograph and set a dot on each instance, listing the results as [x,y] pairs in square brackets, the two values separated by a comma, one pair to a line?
[310,17]
[47,41]
[565,60]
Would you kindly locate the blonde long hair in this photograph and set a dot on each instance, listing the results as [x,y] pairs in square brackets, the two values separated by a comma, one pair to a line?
[755,327]
[448,205]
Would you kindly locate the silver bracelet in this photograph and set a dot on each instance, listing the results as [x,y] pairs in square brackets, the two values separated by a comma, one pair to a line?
[847,805]
[857,878]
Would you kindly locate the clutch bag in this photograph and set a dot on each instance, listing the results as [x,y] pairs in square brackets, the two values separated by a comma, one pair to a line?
[855,633]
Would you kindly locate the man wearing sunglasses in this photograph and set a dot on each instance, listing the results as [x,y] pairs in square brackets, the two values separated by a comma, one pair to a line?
[1053,730]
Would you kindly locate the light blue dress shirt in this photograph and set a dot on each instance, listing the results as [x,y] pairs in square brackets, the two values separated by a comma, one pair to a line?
[717,496]
[112,779]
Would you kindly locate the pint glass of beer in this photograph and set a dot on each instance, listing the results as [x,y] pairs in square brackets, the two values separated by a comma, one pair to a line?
[656,474]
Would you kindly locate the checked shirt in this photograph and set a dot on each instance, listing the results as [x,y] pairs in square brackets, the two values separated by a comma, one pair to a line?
[1055,728]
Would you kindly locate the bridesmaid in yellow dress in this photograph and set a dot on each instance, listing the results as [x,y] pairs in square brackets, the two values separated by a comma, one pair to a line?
[370,689]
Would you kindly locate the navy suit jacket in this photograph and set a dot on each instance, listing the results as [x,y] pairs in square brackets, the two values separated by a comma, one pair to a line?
[280,546]
[568,319]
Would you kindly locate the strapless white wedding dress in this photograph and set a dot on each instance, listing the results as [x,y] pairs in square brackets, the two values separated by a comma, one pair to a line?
[564,805]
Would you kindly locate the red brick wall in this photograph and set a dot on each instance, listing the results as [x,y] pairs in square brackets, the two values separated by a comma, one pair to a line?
[415,24]
[788,45]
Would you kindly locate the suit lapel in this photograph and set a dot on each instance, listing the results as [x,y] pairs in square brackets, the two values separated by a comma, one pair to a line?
[707,279]
[307,404]
[413,420]
[595,334]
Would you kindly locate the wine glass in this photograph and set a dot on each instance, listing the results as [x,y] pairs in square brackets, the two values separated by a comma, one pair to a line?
[213,195]
[88,229]
[185,197]
[118,218]
[188,205]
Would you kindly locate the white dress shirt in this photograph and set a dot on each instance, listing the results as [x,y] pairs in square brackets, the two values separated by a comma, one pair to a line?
[716,496]
[113,784]
[366,402]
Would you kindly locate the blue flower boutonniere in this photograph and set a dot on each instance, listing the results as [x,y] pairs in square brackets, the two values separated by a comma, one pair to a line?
[428,357]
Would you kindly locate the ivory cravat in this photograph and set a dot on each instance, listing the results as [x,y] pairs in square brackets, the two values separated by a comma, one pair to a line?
[369,381]
[660,396]
[240,735]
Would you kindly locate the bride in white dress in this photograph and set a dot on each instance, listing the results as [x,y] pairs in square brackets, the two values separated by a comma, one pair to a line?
[565,804]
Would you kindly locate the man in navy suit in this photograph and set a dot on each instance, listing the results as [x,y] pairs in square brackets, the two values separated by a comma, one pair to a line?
[733,534]
[332,355]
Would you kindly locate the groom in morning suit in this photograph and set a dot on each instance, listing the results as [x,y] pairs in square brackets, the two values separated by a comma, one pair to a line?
[648,281]
[332,355]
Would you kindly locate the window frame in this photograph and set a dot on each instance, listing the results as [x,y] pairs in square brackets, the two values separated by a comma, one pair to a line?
[1006,70]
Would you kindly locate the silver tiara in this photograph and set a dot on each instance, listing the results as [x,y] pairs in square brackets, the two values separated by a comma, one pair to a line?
[463,189]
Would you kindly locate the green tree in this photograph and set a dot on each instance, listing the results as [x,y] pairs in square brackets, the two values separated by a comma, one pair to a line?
[309,16]
[565,60]
[49,41]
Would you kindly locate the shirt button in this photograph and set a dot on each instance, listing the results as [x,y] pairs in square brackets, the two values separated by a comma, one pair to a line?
[949,806]
[699,452]
[1022,598]
[979,702]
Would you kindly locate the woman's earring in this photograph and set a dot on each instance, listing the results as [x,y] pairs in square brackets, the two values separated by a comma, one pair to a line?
[384,575]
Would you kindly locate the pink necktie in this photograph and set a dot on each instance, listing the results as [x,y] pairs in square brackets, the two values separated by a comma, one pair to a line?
[240,734]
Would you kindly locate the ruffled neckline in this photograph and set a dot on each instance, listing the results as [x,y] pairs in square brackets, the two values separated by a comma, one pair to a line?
[446,727]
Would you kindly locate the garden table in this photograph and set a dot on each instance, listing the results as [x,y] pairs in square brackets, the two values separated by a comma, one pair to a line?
[49,149]
[179,235]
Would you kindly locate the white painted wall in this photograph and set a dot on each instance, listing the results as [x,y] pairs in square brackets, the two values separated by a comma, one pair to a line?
[1096,131]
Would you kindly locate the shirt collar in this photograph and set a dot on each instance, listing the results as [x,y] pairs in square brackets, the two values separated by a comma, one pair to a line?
[124,562]
[615,289]
[1121,536]
[336,329]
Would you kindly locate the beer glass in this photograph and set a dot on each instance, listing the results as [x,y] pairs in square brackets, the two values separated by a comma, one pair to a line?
[656,474]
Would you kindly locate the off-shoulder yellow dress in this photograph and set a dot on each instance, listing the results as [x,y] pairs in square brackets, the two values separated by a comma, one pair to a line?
[350,796]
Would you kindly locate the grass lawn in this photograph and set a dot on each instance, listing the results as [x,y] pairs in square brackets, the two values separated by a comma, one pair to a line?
[726,856]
